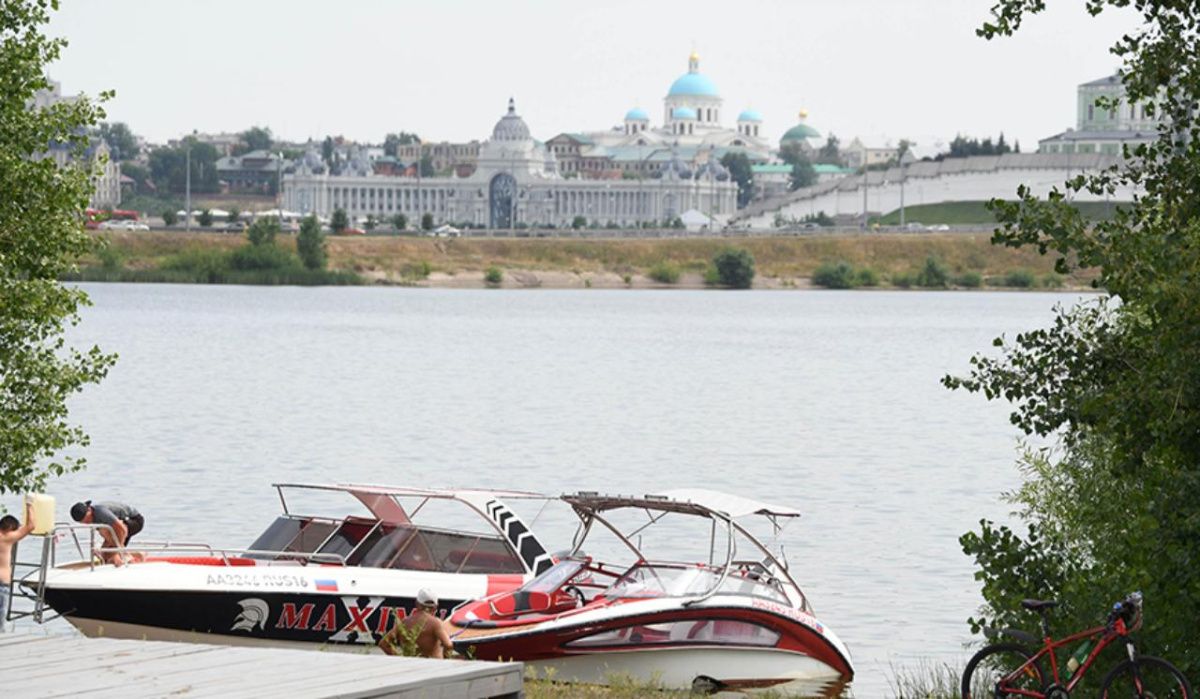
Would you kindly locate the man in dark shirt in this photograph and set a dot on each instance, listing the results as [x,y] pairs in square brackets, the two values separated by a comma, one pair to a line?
[122,520]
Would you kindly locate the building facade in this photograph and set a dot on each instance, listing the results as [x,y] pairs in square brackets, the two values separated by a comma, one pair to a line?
[1104,129]
[516,182]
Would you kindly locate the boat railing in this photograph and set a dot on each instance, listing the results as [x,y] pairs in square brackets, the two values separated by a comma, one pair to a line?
[300,557]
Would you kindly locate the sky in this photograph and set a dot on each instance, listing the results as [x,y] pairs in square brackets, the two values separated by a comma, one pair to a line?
[880,70]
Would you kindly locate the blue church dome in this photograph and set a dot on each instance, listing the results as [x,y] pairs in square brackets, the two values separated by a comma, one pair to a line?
[683,113]
[750,115]
[637,114]
[693,84]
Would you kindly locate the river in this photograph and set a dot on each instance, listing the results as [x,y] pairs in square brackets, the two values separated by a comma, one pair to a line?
[827,401]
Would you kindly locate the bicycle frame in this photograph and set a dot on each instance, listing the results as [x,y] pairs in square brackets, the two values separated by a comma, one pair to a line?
[1107,637]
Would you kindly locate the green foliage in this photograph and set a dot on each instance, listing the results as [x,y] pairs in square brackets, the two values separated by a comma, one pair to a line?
[169,217]
[399,222]
[393,140]
[339,221]
[739,169]
[168,167]
[205,218]
[1115,382]
[493,276]
[263,231]
[834,275]
[711,276]
[735,268]
[963,147]
[579,222]
[40,240]
[110,257]
[969,280]
[830,153]
[932,275]
[426,166]
[803,173]
[310,243]
[427,222]
[122,144]
[262,257]
[1020,278]
[257,138]
[417,270]
[843,275]
[233,215]
[664,272]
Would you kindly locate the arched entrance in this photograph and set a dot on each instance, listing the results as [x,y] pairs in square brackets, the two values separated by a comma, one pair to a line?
[502,198]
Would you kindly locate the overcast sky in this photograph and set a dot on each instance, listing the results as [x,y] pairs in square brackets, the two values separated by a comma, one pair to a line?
[878,69]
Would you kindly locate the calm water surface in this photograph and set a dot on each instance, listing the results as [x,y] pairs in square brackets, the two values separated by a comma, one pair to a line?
[828,401]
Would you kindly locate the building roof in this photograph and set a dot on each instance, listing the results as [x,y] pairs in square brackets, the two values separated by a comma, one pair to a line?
[771,169]
[799,132]
[683,113]
[1113,79]
[637,114]
[511,127]
[749,115]
[693,84]
[1088,135]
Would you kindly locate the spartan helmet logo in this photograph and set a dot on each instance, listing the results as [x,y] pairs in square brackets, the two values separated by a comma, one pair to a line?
[254,613]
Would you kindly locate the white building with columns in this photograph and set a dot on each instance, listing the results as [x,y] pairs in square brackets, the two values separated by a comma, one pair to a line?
[517,183]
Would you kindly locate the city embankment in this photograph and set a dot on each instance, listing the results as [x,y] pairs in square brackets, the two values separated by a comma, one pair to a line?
[854,260]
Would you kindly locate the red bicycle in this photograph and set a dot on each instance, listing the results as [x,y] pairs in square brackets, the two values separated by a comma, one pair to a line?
[1010,670]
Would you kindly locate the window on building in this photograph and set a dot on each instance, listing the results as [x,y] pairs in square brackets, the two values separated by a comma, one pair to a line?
[1091,112]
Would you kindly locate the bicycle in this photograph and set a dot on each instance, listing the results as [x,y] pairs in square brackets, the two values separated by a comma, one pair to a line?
[1011,670]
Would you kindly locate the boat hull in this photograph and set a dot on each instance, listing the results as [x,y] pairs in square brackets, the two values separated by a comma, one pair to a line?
[685,668]
[206,604]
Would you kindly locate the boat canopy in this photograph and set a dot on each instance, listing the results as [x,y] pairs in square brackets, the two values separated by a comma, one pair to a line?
[693,501]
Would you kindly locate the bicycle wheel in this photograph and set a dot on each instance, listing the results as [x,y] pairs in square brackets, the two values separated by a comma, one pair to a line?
[1146,678]
[992,673]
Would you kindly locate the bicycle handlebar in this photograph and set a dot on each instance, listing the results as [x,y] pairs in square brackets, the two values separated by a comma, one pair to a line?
[1128,609]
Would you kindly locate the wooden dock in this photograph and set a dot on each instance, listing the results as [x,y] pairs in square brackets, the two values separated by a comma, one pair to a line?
[35,665]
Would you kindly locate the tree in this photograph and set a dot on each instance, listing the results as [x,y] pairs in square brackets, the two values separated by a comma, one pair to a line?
[233,215]
[310,243]
[263,231]
[257,138]
[426,166]
[168,167]
[121,142]
[735,268]
[40,239]
[339,221]
[205,219]
[803,173]
[399,222]
[830,153]
[1114,382]
[137,173]
[426,222]
[169,217]
[739,170]
[579,222]
[327,151]
[393,141]
[370,223]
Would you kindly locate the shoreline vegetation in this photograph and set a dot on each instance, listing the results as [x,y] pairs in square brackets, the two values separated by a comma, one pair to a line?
[846,261]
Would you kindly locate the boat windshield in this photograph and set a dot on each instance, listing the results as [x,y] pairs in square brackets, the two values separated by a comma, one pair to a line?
[555,576]
[678,580]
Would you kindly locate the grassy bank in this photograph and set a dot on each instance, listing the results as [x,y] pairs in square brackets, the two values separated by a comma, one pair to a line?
[781,262]
[975,212]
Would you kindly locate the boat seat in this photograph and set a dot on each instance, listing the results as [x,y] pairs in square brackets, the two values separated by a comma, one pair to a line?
[1038,604]
[202,560]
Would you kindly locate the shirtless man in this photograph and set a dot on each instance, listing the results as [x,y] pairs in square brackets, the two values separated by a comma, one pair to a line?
[11,531]
[423,627]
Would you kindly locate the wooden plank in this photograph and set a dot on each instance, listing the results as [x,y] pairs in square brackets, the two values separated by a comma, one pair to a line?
[52,666]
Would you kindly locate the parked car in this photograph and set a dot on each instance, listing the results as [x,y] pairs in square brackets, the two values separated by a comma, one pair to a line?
[914,226]
[233,227]
[352,231]
[446,231]
[938,227]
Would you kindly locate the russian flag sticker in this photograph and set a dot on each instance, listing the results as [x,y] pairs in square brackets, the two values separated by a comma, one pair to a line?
[326,585]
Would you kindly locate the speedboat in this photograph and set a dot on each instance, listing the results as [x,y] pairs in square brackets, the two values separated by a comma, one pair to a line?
[341,581]
[729,622]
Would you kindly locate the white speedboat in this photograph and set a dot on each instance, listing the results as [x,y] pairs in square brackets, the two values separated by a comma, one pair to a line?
[306,579]
[728,622]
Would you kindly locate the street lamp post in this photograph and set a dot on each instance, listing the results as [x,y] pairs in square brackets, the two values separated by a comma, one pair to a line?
[187,189]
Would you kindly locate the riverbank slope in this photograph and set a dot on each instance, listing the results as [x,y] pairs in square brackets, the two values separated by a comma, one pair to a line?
[892,259]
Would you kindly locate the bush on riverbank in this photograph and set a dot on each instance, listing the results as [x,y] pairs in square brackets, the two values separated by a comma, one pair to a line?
[843,275]
[664,273]
[493,276]
[735,268]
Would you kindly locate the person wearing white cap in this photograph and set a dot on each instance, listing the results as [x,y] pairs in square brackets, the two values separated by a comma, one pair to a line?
[420,633]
